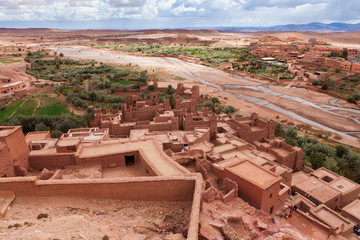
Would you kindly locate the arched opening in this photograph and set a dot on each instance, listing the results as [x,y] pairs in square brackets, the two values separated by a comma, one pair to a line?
[271,209]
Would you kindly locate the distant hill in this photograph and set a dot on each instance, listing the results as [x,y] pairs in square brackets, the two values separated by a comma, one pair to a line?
[311,27]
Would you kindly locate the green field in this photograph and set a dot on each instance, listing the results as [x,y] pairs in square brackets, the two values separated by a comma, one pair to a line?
[9,60]
[27,108]
[51,106]
[67,90]
[10,109]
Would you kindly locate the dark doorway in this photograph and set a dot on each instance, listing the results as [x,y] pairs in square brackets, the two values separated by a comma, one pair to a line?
[271,209]
[129,160]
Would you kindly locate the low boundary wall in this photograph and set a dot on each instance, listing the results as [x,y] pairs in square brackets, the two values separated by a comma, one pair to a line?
[174,188]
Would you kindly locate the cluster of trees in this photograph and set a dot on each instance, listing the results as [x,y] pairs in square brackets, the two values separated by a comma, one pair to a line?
[344,54]
[101,76]
[81,99]
[56,124]
[340,159]
[214,105]
[214,56]
[167,95]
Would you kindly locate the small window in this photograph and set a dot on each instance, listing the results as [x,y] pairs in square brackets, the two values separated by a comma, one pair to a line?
[129,160]
[270,195]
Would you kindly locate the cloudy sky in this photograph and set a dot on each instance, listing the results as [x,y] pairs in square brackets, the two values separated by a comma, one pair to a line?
[142,14]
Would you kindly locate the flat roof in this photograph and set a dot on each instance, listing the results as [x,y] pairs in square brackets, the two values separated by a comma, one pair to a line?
[322,172]
[255,174]
[299,177]
[138,133]
[68,142]
[353,208]
[7,130]
[318,189]
[224,148]
[37,135]
[154,155]
[343,184]
[331,218]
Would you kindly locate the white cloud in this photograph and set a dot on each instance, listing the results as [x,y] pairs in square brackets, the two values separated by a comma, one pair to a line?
[127,3]
[183,13]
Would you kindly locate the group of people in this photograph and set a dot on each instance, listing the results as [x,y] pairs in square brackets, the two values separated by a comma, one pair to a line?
[356,230]
[292,209]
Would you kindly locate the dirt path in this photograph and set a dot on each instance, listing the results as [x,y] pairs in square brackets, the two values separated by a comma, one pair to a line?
[18,108]
[71,108]
[37,106]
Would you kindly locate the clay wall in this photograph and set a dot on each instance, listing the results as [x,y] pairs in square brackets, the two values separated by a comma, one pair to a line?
[266,130]
[21,92]
[270,198]
[9,88]
[247,191]
[175,188]
[110,160]
[349,197]
[283,194]
[195,91]
[6,163]
[352,216]
[355,67]
[18,148]
[332,63]
[55,160]
[190,124]
[205,137]
[353,52]
[332,203]
[292,160]
[140,114]
[119,130]
[144,161]
[346,66]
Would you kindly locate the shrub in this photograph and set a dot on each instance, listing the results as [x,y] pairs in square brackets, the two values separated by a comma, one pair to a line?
[42,215]
[356,96]
[351,100]
[230,109]
[316,82]
[338,137]
[324,86]
[56,134]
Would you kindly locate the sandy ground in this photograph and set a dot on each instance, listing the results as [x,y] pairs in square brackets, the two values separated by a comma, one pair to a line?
[337,40]
[214,79]
[74,218]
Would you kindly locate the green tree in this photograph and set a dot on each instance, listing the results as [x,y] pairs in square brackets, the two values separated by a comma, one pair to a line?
[317,159]
[345,53]
[56,134]
[41,127]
